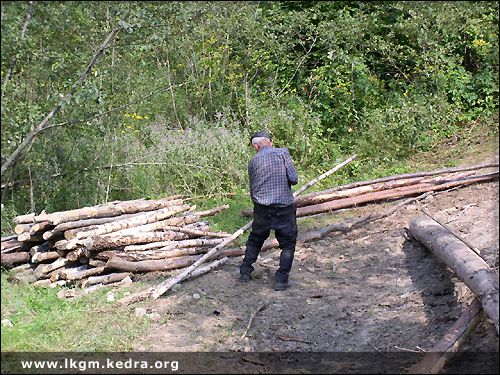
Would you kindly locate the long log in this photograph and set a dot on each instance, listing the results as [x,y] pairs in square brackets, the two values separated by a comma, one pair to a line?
[388,194]
[160,254]
[169,245]
[107,210]
[150,265]
[347,193]
[81,272]
[44,269]
[14,258]
[28,237]
[160,225]
[493,164]
[469,267]
[39,228]
[105,279]
[110,242]
[10,244]
[145,218]
[164,286]
[41,257]
[25,219]
[10,237]
[435,358]
[41,248]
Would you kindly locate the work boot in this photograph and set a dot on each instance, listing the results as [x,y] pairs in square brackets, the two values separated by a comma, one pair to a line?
[280,286]
[245,278]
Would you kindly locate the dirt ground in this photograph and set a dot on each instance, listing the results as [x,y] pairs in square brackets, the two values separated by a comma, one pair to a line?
[369,290]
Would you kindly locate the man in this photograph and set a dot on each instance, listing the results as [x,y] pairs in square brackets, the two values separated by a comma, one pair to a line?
[271,173]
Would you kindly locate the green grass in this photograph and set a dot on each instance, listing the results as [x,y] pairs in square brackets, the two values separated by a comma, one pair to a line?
[44,322]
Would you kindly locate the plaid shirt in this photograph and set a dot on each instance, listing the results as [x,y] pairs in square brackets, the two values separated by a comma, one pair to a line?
[272,173]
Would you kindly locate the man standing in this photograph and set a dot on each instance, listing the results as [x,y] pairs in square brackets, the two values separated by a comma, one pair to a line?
[271,173]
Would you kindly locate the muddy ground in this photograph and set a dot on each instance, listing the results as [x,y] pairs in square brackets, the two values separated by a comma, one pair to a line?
[369,290]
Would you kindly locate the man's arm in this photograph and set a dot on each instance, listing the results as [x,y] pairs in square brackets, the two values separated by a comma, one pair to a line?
[291,172]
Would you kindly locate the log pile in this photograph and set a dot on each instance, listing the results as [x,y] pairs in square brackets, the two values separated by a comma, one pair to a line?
[107,243]
[390,188]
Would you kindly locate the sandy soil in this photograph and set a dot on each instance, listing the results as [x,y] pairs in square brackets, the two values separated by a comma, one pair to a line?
[369,290]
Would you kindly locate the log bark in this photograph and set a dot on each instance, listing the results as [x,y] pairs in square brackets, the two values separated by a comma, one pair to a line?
[493,164]
[347,193]
[81,272]
[42,257]
[161,225]
[150,265]
[169,245]
[105,279]
[25,219]
[435,359]
[47,245]
[107,210]
[468,266]
[10,244]
[388,194]
[145,218]
[110,241]
[14,258]
[39,228]
[160,254]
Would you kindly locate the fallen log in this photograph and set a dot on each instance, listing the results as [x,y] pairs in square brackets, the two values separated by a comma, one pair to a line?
[109,241]
[80,272]
[493,164]
[388,194]
[372,188]
[435,359]
[145,218]
[105,279]
[47,245]
[14,258]
[168,245]
[107,210]
[42,257]
[150,265]
[469,267]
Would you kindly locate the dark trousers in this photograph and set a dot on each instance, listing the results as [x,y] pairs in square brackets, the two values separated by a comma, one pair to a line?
[284,222]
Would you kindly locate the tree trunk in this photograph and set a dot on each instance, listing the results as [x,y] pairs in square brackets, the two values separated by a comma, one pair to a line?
[105,279]
[469,267]
[150,265]
[81,272]
[388,194]
[435,359]
[145,218]
[169,245]
[493,164]
[348,193]
[41,257]
[109,241]
[14,258]
[107,210]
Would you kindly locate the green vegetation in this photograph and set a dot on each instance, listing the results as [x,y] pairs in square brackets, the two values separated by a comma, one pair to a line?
[169,107]
[43,322]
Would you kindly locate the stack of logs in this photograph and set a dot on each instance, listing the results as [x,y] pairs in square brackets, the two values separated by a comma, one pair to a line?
[107,243]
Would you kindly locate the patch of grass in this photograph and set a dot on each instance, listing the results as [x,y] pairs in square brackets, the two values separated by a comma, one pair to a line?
[44,322]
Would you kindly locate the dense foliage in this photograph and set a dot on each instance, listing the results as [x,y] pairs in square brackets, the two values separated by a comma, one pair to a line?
[169,106]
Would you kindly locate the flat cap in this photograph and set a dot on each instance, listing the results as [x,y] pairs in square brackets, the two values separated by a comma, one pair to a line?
[261,133]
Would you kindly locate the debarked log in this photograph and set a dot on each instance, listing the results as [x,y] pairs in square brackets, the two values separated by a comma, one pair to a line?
[168,245]
[469,267]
